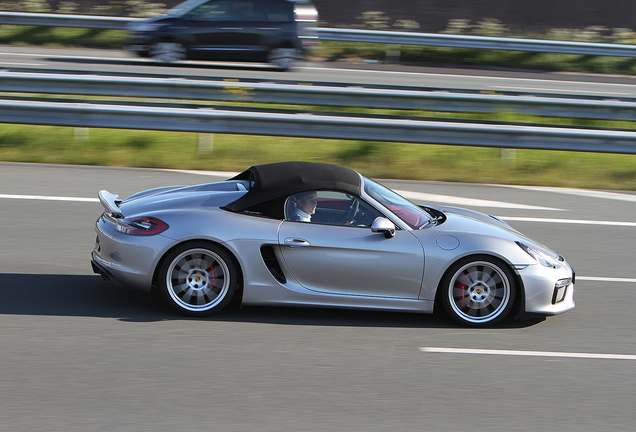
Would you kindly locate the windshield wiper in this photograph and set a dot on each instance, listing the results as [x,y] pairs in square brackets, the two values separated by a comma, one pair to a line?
[433,220]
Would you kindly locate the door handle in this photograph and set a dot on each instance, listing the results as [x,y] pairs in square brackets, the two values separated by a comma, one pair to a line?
[231,28]
[296,242]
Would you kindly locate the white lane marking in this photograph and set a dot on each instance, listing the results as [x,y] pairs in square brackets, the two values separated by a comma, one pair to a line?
[529,353]
[575,91]
[578,192]
[447,199]
[357,71]
[133,59]
[48,198]
[604,279]
[477,77]
[458,200]
[21,64]
[567,221]
[224,174]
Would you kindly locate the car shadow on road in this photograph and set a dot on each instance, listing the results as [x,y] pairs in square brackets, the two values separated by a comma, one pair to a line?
[91,296]
[73,295]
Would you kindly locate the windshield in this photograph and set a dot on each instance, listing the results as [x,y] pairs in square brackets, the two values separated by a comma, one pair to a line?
[411,214]
[185,7]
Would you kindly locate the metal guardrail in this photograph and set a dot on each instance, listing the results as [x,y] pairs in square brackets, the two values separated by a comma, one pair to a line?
[382,98]
[65,20]
[482,42]
[206,120]
[357,35]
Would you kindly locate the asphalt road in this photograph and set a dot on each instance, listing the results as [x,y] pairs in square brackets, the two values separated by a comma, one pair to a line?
[119,62]
[79,354]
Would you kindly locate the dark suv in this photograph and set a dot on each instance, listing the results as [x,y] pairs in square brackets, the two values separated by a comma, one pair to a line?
[274,31]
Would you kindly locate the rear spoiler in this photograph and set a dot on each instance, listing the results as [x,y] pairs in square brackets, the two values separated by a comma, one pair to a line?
[110,203]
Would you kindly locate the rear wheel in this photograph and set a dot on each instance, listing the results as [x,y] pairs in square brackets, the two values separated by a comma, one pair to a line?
[167,52]
[198,279]
[478,291]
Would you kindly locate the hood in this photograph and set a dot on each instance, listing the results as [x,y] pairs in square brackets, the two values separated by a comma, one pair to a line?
[460,222]
[472,214]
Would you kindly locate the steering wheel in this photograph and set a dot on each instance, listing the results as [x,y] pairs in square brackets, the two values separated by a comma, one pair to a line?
[352,210]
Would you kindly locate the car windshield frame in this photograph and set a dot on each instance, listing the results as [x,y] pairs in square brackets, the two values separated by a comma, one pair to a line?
[411,214]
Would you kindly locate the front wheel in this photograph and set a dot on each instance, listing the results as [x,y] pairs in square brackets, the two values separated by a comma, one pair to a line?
[478,291]
[198,279]
[284,58]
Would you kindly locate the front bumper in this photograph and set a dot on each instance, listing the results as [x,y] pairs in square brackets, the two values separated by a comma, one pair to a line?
[548,291]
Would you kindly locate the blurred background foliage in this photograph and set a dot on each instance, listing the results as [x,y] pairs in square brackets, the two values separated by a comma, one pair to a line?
[48,144]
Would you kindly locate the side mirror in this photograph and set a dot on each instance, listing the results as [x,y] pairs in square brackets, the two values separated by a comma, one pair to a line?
[384,226]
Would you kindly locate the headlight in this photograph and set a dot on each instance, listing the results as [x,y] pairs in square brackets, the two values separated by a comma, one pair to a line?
[540,257]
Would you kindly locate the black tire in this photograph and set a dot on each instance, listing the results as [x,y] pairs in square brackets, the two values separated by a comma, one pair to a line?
[168,52]
[478,291]
[198,279]
[285,58]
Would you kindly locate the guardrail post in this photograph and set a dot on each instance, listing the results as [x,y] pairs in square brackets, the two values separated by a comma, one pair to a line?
[206,142]
[80,133]
[393,53]
[508,156]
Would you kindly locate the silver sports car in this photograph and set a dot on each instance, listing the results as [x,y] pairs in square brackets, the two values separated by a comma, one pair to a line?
[314,234]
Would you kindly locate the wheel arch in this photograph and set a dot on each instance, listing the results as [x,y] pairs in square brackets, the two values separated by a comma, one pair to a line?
[285,43]
[518,307]
[230,253]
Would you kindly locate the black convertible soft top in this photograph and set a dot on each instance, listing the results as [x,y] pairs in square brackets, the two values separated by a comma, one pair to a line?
[273,183]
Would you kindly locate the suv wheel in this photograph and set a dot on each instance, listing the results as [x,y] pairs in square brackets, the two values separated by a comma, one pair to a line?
[285,58]
[167,52]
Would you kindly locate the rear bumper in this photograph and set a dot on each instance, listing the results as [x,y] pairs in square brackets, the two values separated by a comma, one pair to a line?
[119,279]
[105,274]
[126,261]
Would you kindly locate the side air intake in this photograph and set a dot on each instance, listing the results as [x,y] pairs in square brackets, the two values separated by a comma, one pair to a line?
[271,262]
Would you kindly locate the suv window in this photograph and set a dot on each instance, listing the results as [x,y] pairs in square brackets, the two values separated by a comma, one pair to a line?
[249,10]
[279,11]
[232,10]
[216,10]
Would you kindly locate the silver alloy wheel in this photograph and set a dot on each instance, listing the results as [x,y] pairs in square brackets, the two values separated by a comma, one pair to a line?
[284,58]
[167,52]
[479,292]
[198,280]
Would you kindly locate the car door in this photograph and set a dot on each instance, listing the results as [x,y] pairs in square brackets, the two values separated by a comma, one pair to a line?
[212,28]
[264,24]
[342,258]
[228,29]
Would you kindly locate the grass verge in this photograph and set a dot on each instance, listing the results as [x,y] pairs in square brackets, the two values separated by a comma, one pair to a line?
[109,147]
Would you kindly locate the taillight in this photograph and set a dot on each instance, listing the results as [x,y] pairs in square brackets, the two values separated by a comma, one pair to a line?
[141,226]
[306,14]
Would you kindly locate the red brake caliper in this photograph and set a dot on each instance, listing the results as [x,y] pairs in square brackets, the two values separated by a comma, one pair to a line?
[462,298]
[212,272]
